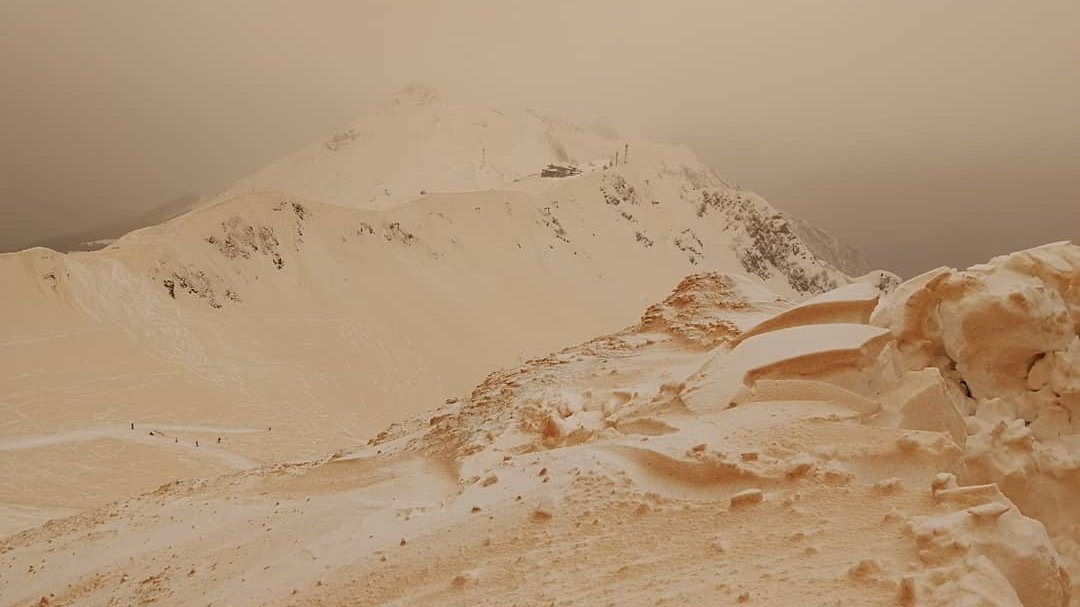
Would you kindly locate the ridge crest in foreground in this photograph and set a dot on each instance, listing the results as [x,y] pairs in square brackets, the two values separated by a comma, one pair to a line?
[876,445]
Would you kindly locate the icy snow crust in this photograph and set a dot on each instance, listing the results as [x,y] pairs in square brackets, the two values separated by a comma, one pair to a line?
[924,456]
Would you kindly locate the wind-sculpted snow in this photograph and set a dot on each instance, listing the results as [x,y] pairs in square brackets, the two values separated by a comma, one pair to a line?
[828,462]
[1007,329]
[251,310]
[357,280]
[1005,335]
[758,436]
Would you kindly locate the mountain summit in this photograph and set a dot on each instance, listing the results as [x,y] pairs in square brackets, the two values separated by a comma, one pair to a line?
[419,142]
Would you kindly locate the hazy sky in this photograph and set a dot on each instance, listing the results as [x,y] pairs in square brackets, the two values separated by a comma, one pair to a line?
[924,132]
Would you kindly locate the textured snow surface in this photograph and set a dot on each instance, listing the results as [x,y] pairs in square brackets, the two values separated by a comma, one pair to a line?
[326,316]
[773,432]
[654,466]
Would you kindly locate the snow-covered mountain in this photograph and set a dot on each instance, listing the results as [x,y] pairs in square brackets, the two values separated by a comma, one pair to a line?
[362,279]
[873,445]
[419,142]
[278,397]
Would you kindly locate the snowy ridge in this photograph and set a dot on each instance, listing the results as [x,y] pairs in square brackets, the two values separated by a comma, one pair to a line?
[328,317]
[663,462]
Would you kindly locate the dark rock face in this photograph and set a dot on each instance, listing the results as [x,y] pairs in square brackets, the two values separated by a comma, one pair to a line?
[239,239]
[688,242]
[242,240]
[394,232]
[199,284]
[766,241]
[616,190]
[549,219]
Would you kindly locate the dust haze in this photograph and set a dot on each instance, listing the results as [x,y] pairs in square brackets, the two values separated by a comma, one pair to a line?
[921,132]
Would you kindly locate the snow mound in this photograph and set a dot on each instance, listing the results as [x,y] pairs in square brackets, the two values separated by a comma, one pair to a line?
[710,309]
[995,322]
[851,303]
[985,547]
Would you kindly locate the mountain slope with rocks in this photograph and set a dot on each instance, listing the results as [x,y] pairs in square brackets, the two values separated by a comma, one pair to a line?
[873,446]
[265,326]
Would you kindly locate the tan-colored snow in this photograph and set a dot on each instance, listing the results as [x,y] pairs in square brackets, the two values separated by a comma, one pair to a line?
[852,303]
[420,142]
[779,346]
[592,476]
[278,399]
[862,290]
[304,325]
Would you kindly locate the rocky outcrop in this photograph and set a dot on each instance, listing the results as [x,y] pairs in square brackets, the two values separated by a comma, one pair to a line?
[701,310]
[766,240]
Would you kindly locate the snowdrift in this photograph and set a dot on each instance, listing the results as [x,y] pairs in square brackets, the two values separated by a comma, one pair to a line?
[913,458]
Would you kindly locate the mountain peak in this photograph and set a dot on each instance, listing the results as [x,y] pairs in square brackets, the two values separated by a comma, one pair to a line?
[420,142]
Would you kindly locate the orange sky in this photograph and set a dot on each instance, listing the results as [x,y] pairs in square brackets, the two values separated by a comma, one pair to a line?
[923,132]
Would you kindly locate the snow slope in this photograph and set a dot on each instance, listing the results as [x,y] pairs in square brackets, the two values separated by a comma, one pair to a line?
[603,474]
[288,326]
[420,142]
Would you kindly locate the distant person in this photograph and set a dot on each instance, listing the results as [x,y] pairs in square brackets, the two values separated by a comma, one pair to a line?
[219,440]
[196,443]
[132,425]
